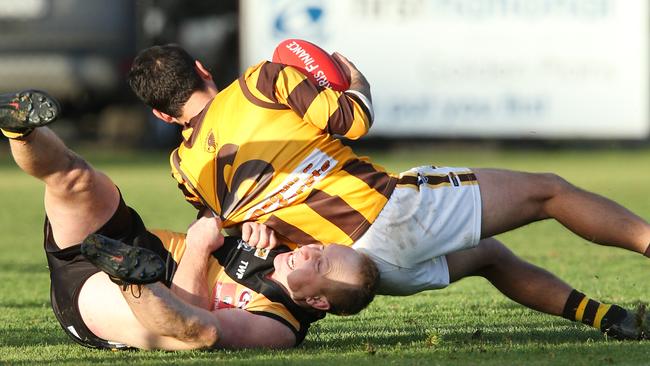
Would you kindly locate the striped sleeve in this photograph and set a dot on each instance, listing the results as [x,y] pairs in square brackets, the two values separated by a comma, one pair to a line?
[335,112]
[189,193]
[190,197]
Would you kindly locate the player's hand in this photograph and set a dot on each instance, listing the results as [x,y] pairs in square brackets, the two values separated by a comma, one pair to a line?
[346,65]
[204,234]
[258,235]
[358,82]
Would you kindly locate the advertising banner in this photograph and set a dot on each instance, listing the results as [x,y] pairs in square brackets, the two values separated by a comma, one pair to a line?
[479,68]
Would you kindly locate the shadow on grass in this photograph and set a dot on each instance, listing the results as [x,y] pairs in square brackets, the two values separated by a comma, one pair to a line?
[24,304]
[554,333]
[35,337]
[453,346]
[24,268]
[477,353]
[532,334]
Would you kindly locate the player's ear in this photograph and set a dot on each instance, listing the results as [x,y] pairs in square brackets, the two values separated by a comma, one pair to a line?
[203,72]
[318,302]
[163,116]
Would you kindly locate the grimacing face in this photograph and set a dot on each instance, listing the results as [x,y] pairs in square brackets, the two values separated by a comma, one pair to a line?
[308,270]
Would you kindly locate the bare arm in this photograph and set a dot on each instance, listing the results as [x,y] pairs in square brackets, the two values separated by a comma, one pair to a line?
[158,310]
[190,280]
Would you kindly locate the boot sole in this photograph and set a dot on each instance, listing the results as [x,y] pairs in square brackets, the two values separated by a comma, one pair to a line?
[132,265]
[27,109]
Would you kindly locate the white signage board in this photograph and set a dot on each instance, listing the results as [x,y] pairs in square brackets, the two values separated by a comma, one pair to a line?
[479,68]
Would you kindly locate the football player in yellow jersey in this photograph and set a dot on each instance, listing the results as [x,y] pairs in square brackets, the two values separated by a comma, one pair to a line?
[265,149]
[177,291]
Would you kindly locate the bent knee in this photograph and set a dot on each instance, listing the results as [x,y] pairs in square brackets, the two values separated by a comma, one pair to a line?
[552,184]
[497,257]
[78,177]
[488,254]
[494,251]
[206,338]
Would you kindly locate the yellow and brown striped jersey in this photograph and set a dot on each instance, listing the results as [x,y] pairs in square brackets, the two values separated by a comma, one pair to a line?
[238,277]
[265,149]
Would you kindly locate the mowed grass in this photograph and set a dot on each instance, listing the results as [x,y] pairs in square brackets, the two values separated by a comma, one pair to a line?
[469,323]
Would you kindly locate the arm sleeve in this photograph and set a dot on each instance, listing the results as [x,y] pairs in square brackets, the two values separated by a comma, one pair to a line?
[188,191]
[338,113]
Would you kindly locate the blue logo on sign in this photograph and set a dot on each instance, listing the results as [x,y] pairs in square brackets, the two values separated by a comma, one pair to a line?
[300,19]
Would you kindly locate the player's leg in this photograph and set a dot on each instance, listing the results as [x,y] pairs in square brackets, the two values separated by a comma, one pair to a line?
[512,199]
[78,199]
[539,289]
[167,321]
[510,275]
[108,315]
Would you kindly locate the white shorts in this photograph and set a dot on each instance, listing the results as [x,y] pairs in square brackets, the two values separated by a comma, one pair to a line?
[432,212]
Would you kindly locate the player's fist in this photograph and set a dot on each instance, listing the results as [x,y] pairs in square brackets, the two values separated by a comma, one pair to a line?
[346,66]
[258,235]
[205,234]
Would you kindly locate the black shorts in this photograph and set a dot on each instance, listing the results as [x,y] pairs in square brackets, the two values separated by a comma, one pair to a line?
[69,270]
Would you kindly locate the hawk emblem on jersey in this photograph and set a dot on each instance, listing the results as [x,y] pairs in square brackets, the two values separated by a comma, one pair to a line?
[261,253]
[210,143]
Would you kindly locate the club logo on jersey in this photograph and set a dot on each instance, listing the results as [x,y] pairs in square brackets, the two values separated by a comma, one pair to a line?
[261,253]
[210,145]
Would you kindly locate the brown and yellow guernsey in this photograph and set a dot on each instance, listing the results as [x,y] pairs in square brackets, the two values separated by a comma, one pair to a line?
[265,149]
[238,276]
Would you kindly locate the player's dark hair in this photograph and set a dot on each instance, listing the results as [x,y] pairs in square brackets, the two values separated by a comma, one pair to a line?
[164,78]
[348,299]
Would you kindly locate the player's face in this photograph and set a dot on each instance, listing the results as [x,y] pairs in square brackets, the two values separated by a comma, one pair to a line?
[309,269]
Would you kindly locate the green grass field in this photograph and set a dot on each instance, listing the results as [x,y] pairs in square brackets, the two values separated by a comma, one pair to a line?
[468,323]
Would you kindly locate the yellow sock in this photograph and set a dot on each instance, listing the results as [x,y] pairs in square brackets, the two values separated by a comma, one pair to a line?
[16,135]
[580,308]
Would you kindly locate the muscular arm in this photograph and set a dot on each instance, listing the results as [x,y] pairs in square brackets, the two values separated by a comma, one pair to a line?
[158,310]
[190,280]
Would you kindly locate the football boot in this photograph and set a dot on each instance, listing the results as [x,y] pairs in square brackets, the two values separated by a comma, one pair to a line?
[635,326]
[23,111]
[124,264]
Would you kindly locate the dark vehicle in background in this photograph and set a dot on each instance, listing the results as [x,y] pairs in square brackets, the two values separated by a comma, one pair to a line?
[77,50]
[80,51]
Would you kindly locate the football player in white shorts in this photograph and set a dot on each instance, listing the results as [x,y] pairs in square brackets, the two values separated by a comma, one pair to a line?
[424,228]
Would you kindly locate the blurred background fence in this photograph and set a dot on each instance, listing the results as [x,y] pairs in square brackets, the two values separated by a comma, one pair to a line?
[524,71]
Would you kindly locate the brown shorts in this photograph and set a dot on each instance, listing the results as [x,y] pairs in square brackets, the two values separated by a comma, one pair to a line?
[69,270]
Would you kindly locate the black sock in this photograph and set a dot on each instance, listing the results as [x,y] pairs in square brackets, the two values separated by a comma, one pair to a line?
[580,308]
